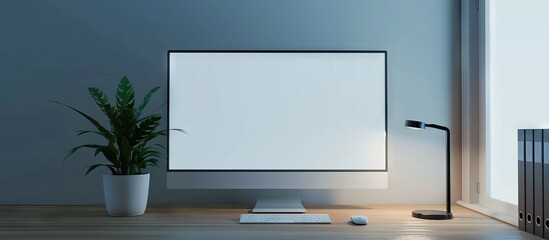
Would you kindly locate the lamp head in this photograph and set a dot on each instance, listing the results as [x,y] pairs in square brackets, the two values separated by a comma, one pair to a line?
[413,124]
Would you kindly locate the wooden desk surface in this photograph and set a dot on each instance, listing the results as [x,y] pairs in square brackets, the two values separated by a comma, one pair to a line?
[222,222]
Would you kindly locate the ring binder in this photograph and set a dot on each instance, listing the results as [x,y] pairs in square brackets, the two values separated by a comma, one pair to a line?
[521,194]
[538,182]
[529,179]
[546,181]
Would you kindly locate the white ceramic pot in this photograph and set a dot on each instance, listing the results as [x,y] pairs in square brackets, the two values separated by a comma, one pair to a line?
[126,195]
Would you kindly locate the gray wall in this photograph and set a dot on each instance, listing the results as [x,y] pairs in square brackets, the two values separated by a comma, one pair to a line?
[56,49]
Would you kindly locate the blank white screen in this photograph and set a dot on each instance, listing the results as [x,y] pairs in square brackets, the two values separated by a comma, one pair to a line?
[277,111]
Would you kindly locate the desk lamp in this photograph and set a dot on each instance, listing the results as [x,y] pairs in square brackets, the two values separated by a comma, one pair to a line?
[435,214]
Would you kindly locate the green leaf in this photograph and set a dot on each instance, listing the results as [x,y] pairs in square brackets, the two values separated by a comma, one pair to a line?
[110,153]
[152,163]
[125,100]
[101,100]
[80,132]
[152,154]
[125,148]
[154,135]
[74,149]
[125,96]
[160,107]
[161,146]
[145,128]
[94,166]
[148,162]
[113,170]
[124,93]
[146,100]
[134,169]
[104,132]
[178,130]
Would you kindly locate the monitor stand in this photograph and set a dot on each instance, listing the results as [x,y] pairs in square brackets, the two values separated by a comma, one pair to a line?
[279,204]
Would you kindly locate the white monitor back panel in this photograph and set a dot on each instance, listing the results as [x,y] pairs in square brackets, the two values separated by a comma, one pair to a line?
[312,111]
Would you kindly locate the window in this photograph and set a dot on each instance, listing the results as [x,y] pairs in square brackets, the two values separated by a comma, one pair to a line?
[515,91]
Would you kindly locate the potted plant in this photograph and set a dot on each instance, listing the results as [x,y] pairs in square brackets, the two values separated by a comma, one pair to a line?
[127,148]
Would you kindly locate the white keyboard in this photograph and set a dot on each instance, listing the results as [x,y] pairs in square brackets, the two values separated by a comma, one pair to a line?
[285,218]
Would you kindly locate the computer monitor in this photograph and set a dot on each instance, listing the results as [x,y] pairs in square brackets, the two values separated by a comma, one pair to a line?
[277,120]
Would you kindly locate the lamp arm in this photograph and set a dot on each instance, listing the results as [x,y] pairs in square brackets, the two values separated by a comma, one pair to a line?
[448,190]
[438,127]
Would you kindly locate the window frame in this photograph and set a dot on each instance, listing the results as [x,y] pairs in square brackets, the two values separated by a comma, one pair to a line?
[476,101]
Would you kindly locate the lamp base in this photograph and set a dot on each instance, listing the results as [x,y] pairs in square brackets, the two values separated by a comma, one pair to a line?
[432,214]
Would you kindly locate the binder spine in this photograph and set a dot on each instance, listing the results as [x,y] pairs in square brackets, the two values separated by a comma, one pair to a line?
[521,194]
[529,180]
[538,183]
[546,182]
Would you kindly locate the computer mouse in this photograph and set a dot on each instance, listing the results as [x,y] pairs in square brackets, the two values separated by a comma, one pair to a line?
[359,220]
